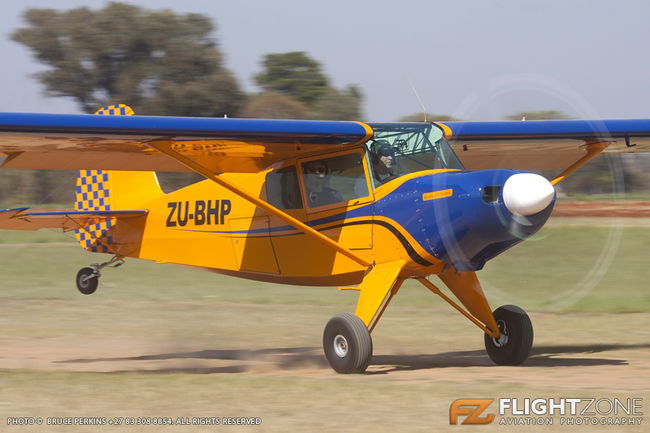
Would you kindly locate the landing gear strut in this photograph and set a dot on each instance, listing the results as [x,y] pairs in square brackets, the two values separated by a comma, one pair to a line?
[88,278]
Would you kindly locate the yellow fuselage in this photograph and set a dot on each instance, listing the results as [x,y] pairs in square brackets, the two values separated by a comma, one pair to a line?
[207,226]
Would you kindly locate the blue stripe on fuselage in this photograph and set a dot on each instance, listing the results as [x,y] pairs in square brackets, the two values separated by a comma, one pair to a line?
[462,229]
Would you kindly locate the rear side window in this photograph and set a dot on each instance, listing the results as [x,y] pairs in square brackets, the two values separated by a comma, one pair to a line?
[282,188]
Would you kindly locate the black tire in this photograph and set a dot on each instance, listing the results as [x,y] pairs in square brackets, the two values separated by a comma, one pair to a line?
[347,344]
[517,330]
[87,286]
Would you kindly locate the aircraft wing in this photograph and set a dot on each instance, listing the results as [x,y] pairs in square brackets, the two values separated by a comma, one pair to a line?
[21,219]
[543,144]
[81,141]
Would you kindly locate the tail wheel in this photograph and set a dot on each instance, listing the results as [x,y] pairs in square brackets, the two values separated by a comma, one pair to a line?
[347,344]
[516,340]
[87,281]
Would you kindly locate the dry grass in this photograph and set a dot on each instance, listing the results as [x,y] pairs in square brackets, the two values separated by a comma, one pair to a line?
[166,341]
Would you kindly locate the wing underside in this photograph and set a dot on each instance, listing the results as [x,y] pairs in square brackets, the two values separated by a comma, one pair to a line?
[539,145]
[48,141]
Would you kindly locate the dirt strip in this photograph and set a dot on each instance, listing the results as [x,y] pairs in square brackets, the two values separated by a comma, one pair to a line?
[627,209]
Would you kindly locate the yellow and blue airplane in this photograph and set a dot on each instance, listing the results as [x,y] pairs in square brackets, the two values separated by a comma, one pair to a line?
[362,206]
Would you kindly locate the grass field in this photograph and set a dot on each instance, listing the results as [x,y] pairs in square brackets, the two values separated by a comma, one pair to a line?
[161,340]
[600,265]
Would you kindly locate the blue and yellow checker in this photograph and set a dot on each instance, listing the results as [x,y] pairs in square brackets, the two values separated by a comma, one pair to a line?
[93,194]
[116,110]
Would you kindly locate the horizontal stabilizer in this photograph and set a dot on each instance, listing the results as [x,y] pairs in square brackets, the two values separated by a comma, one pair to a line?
[20,219]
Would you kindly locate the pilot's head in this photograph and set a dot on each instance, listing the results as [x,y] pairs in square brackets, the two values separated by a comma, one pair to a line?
[316,175]
[383,157]
[387,156]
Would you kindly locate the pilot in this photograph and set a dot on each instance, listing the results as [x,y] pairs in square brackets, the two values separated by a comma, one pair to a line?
[383,163]
[317,177]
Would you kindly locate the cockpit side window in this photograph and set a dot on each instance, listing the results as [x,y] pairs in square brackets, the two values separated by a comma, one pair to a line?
[397,149]
[334,180]
[282,188]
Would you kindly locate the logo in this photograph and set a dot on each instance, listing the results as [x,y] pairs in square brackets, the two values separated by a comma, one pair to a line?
[437,194]
[547,411]
[471,410]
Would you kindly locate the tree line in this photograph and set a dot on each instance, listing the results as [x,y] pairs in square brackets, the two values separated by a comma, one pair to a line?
[163,63]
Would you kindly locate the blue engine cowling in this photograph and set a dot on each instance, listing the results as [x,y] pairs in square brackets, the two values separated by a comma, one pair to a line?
[469,223]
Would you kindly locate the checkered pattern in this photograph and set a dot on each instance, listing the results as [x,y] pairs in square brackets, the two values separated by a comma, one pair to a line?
[116,110]
[92,193]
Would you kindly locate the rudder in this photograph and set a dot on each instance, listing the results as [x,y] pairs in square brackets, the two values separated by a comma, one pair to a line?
[109,190]
[92,193]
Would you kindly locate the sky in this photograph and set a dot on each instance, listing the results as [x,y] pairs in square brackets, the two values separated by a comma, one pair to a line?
[472,59]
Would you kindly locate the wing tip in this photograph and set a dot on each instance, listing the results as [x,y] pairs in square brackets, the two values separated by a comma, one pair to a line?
[17,210]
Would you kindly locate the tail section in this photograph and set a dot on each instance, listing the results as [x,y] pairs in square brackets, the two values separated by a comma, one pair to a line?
[115,110]
[92,193]
[104,190]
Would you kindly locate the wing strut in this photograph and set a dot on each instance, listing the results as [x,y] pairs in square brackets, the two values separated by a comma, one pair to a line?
[593,150]
[198,168]
[466,287]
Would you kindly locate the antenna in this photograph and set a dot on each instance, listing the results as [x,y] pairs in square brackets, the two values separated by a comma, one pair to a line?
[424,110]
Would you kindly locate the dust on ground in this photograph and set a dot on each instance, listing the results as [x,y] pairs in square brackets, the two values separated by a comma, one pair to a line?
[571,351]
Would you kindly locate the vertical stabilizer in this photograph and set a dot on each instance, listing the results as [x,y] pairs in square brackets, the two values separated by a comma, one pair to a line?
[110,190]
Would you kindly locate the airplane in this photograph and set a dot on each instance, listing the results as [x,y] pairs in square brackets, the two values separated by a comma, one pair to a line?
[362,206]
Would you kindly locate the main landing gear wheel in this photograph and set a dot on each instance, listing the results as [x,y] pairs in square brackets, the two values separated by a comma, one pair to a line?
[87,280]
[347,344]
[516,340]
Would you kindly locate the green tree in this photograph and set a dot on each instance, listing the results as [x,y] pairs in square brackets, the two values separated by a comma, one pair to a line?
[294,74]
[158,62]
[36,187]
[271,105]
[539,115]
[419,117]
[606,173]
[339,104]
[17,187]
[598,176]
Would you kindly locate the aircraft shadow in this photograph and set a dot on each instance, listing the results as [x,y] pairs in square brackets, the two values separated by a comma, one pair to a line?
[541,356]
[280,358]
[312,357]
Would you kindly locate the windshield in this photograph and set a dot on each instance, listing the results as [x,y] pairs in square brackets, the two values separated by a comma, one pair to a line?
[397,149]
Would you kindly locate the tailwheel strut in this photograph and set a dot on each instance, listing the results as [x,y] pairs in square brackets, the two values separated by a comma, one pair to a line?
[88,278]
